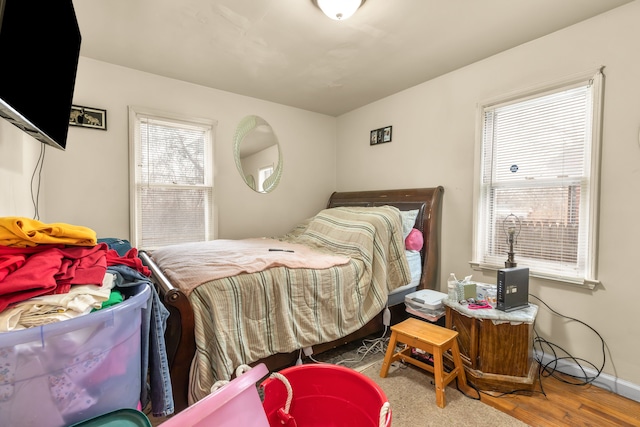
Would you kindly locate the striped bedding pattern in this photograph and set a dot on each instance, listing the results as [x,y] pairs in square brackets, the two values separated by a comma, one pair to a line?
[247,317]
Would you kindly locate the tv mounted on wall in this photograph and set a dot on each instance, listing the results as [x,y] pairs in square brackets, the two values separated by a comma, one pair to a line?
[39,51]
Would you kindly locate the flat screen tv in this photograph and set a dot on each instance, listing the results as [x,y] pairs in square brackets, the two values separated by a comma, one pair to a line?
[39,51]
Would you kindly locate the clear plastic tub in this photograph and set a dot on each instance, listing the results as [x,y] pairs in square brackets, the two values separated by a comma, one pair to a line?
[426,301]
[73,370]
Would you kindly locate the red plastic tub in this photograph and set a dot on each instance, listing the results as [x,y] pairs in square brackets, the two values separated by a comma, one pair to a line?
[324,395]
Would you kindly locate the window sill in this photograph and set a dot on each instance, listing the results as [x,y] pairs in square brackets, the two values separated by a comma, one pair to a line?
[583,284]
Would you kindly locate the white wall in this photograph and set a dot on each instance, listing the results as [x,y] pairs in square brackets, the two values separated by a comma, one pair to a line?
[433,144]
[19,155]
[88,184]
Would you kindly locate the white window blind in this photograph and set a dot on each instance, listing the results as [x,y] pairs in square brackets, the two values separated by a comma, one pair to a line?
[539,163]
[172,171]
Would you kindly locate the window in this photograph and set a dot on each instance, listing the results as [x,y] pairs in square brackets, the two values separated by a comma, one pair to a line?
[263,174]
[171,176]
[539,168]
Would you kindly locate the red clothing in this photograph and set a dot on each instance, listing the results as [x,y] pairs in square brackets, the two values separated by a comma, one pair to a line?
[129,259]
[48,269]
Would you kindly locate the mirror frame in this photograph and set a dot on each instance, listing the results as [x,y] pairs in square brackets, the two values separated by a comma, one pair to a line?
[247,125]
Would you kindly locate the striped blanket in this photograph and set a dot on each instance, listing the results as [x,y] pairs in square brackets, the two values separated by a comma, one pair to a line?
[247,317]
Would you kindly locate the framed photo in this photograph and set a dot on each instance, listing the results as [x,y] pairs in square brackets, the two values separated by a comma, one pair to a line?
[374,137]
[386,134]
[88,117]
[380,136]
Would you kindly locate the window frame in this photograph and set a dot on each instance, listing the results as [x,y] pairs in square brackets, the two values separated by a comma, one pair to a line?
[263,177]
[135,115]
[595,78]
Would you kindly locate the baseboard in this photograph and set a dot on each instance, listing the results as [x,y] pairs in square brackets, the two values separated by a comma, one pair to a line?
[604,381]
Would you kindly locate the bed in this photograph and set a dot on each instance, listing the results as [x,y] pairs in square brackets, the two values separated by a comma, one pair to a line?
[194,332]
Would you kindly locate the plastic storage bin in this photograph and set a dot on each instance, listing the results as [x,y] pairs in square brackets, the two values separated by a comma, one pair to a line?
[120,418]
[426,304]
[324,395]
[73,370]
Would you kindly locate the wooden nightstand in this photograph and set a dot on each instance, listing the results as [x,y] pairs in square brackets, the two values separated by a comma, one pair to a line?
[496,346]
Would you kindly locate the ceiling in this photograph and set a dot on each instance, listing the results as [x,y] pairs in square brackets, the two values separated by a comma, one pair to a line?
[287,51]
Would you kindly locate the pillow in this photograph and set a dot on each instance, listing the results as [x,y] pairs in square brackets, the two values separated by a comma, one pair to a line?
[414,240]
[408,221]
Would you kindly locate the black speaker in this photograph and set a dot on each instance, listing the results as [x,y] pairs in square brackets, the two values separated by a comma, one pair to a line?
[513,288]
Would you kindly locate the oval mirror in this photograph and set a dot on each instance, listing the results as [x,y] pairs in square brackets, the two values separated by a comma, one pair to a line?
[257,154]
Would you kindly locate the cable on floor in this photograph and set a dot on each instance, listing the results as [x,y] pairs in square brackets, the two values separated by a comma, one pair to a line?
[549,369]
[369,346]
[470,385]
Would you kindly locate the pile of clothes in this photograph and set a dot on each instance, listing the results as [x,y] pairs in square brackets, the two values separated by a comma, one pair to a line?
[53,272]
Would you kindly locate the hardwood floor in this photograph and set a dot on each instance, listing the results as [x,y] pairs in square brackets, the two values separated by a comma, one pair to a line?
[568,405]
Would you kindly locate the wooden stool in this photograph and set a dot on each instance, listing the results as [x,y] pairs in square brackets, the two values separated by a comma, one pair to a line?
[433,339]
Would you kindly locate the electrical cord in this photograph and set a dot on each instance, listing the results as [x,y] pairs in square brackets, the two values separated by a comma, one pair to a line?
[38,168]
[549,369]
[369,346]
[314,360]
[470,385]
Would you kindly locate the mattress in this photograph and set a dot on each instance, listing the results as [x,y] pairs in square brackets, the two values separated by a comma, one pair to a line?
[415,267]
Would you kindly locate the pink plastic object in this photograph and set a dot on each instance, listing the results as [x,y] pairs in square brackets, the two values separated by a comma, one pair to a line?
[324,395]
[236,404]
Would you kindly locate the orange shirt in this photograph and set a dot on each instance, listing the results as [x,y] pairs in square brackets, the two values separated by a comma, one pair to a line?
[24,232]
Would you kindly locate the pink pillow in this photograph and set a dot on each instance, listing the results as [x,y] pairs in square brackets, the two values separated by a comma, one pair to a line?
[414,240]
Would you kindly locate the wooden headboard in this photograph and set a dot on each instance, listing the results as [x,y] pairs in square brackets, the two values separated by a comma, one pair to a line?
[428,201]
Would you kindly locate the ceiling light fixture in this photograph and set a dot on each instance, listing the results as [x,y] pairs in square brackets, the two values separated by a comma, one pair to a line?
[338,10]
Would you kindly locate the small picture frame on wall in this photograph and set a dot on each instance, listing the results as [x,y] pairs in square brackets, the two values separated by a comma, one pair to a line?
[380,136]
[386,134]
[374,137]
[88,117]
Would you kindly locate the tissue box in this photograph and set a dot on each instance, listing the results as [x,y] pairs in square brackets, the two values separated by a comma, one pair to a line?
[467,290]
